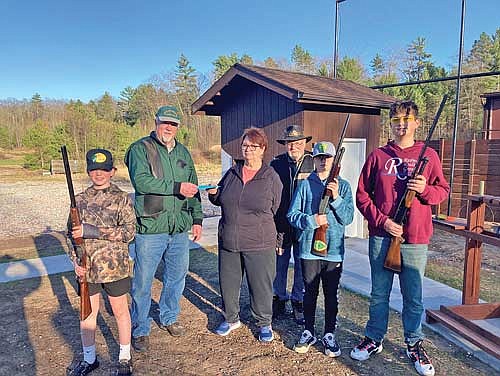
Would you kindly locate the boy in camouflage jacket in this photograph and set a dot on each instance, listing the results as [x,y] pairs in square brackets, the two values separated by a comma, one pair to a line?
[108,225]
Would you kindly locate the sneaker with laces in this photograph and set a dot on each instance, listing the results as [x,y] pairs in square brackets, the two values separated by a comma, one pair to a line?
[366,348]
[83,368]
[266,334]
[227,327]
[420,359]
[298,312]
[124,367]
[306,340]
[332,348]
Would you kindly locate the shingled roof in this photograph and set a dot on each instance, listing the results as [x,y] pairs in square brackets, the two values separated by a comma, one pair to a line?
[299,87]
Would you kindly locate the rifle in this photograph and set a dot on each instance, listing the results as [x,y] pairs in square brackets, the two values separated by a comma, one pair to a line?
[393,257]
[319,246]
[83,290]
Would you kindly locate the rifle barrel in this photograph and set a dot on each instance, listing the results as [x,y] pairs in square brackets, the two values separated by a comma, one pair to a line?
[67,172]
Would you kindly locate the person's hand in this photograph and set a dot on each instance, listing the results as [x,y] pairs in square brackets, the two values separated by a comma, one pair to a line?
[334,188]
[393,228]
[188,189]
[196,231]
[321,219]
[213,191]
[279,251]
[77,232]
[80,272]
[418,184]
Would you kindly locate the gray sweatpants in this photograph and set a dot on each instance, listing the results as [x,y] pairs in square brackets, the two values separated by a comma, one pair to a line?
[260,269]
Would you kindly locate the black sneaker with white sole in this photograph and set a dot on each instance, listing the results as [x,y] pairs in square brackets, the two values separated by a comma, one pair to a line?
[332,348]
[366,348]
[306,340]
[420,359]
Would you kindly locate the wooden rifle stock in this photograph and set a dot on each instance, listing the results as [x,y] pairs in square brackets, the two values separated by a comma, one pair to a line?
[83,286]
[393,257]
[319,245]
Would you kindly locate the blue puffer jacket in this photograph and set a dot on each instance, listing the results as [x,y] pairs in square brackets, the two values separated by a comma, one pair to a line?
[305,204]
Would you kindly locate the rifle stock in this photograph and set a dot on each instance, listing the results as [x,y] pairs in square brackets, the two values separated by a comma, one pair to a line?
[319,245]
[393,257]
[83,286]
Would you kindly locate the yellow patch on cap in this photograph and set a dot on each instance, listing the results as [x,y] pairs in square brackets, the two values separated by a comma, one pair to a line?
[99,158]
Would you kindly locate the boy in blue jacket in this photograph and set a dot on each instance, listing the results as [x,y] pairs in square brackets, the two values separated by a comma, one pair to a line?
[303,214]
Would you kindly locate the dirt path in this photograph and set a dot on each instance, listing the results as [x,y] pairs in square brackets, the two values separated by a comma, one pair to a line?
[40,325]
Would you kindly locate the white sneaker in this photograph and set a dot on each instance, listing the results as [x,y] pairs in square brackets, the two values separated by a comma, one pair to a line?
[420,359]
[332,348]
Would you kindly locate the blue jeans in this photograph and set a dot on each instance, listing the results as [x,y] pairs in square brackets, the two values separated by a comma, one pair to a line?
[150,251]
[413,261]
[280,282]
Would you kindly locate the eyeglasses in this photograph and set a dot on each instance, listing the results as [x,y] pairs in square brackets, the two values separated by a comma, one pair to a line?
[249,147]
[404,119]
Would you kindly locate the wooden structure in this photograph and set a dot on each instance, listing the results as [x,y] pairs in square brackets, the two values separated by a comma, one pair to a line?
[57,166]
[476,161]
[491,118]
[272,99]
[465,319]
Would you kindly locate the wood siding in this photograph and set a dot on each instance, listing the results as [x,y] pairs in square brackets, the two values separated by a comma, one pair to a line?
[326,126]
[249,105]
[484,155]
[491,122]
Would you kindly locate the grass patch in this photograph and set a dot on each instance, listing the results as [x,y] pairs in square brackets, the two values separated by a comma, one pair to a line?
[453,277]
[11,162]
[27,253]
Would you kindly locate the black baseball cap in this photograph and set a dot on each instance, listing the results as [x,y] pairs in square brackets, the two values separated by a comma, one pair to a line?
[99,159]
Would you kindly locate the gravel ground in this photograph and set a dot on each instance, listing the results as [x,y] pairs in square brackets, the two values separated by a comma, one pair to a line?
[28,208]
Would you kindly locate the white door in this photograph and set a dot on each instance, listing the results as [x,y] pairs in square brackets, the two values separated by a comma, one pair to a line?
[352,163]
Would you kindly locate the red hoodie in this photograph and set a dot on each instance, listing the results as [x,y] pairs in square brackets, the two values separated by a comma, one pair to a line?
[383,182]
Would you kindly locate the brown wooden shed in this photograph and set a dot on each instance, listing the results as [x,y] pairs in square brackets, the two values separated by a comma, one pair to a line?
[272,99]
[491,117]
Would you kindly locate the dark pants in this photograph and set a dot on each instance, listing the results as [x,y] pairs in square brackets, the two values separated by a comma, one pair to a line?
[329,273]
[260,268]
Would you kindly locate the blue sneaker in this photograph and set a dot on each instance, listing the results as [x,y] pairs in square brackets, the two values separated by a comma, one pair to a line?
[226,327]
[266,334]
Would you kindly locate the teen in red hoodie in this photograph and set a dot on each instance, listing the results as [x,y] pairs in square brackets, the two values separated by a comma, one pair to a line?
[382,183]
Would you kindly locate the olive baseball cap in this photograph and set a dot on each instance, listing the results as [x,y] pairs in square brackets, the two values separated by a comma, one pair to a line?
[168,114]
[99,159]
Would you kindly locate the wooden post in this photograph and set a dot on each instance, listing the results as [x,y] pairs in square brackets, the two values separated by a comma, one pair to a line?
[472,261]
[441,158]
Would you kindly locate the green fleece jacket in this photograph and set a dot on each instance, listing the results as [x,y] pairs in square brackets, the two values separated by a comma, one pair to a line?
[159,205]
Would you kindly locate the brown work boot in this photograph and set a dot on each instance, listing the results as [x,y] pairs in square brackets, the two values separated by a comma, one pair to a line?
[140,344]
[175,329]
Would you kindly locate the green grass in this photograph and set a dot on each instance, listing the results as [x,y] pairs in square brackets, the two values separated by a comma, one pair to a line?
[12,162]
[453,277]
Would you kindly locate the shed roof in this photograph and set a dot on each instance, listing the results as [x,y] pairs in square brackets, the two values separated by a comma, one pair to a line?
[299,87]
[491,95]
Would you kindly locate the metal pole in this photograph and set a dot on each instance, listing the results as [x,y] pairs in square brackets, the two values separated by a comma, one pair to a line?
[335,46]
[457,107]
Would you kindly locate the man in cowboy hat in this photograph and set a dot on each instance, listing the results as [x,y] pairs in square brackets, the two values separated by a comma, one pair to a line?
[294,165]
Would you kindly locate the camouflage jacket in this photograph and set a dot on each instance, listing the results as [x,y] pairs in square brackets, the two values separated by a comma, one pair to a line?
[108,220]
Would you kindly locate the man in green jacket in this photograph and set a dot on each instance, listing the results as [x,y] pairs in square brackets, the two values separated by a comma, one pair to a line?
[167,206]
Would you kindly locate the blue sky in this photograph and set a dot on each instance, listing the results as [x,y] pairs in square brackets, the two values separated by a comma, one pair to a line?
[66,49]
